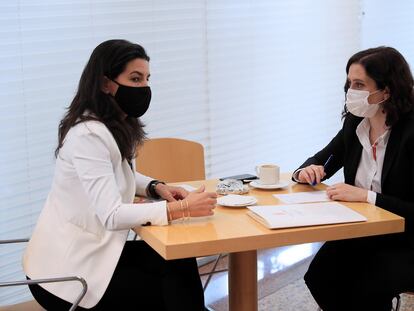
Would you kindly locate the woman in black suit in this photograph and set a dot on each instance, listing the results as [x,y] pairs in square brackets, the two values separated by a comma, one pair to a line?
[375,147]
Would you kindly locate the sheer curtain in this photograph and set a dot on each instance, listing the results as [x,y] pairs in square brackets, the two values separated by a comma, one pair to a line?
[276,75]
[253,81]
[44,47]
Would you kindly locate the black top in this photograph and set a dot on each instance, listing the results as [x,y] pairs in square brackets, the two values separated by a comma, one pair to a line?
[397,181]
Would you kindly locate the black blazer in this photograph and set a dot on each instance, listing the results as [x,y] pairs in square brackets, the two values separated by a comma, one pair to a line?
[397,181]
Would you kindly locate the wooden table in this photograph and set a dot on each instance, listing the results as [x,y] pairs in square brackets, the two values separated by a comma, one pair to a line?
[231,231]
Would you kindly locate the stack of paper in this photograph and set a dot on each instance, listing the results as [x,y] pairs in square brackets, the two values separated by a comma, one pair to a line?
[299,215]
[303,197]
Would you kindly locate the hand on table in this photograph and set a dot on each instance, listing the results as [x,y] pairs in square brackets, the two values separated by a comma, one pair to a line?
[345,192]
[199,202]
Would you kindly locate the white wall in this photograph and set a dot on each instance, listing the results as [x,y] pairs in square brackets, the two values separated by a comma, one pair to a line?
[389,23]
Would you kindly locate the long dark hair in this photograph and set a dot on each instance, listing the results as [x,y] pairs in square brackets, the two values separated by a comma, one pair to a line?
[388,68]
[108,59]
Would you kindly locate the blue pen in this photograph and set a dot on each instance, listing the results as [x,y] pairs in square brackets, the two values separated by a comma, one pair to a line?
[326,163]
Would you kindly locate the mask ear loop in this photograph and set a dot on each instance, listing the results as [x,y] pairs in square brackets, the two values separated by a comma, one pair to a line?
[104,86]
[375,92]
[117,83]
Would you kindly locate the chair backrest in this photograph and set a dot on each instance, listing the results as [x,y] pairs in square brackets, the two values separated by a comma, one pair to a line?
[171,159]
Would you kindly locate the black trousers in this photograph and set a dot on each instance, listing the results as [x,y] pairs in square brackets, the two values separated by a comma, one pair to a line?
[361,274]
[142,280]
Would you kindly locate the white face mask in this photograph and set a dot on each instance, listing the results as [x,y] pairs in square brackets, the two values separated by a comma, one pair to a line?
[357,103]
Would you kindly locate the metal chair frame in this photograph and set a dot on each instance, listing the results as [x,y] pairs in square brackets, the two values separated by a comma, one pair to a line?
[47,280]
[213,271]
[398,305]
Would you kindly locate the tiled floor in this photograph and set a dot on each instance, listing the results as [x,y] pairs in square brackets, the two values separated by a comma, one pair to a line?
[276,269]
[280,281]
[296,297]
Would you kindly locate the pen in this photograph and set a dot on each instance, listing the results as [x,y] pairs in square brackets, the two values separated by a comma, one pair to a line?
[326,163]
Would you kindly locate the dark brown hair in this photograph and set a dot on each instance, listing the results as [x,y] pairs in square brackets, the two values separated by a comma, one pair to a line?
[108,59]
[388,68]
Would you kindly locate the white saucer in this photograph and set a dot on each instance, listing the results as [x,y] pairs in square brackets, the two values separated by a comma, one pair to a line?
[281,184]
[235,200]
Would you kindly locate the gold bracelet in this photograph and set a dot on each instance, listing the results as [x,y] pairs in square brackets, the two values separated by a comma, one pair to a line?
[185,213]
[188,209]
[169,214]
[182,210]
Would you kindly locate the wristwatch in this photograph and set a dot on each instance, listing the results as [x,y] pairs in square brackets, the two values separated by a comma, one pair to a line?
[151,188]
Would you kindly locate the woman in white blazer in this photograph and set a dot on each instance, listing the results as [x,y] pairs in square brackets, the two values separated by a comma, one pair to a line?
[83,227]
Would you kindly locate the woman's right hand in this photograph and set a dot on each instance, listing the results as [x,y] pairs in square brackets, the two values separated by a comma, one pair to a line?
[312,174]
[200,203]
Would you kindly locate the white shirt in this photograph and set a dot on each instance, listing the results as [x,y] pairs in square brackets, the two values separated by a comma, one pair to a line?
[85,221]
[369,171]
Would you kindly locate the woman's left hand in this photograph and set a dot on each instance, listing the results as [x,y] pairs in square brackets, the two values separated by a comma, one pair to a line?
[345,192]
[170,193]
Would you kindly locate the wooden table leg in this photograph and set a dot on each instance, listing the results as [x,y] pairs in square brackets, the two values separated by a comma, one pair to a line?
[243,281]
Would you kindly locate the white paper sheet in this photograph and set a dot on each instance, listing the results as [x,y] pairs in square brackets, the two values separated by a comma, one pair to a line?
[303,197]
[299,215]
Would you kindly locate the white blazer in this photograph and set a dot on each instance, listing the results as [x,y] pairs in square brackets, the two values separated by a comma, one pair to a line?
[85,221]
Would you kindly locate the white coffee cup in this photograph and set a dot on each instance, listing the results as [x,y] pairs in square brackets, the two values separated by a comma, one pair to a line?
[268,174]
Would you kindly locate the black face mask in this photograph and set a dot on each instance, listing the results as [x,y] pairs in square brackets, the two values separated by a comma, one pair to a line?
[134,101]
